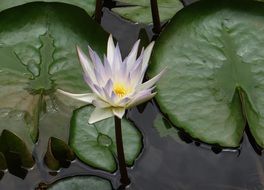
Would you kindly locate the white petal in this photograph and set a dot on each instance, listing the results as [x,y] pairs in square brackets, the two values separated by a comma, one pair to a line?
[94,57]
[99,91]
[100,77]
[140,58]
[117,62]
[86,64]
[124,101]
[147,54]
[90,83]
[131,58]
[98,65]
[119,112]
[88,97]
[107,68]
[136,74]
[114,97]
[128,80]
[100,103]
[141,99]
[123,69]
[110,49]
[150,82]
[108,89]
[100,114]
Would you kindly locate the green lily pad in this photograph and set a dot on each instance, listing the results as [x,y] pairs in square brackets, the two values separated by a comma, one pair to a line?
[87,5]
[38,55]
[140,10]
[95,144]
[213,52]
[82,183]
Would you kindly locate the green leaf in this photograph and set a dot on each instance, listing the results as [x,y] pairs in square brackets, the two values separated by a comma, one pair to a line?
[58,154]
[95,144]
[214,81]
[38,55]
[140,10]
[82,183]
[87,5]
[10,143]
[3,164]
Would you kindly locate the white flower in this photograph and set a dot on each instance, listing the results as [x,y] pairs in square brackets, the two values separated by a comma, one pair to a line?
[116,84]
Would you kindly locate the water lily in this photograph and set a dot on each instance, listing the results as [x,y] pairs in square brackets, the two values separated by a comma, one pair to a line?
[116,84]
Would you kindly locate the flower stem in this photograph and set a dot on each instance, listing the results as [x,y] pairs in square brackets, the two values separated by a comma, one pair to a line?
[120,152]
[98,11]
[155,16]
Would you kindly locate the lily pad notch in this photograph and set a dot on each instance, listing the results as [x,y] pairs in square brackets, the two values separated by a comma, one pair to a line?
[36,52]
[217,71]
[95,144]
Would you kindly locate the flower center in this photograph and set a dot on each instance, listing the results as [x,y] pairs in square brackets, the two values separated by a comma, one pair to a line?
[120,90]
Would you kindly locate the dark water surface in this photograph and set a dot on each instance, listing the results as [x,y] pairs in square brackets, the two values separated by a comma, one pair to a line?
[165,162]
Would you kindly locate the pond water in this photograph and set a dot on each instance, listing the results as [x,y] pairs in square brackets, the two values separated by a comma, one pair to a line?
[166,163]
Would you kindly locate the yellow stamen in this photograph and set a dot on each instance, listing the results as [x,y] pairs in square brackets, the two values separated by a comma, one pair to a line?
[120,90]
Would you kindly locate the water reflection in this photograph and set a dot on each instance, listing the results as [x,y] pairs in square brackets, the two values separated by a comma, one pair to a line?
[14,165]
[167,162]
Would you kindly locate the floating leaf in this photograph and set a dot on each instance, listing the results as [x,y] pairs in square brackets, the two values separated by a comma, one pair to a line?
[140,10]
[214,81]
[95,144]
[82,183]
[87,5]
[38,55]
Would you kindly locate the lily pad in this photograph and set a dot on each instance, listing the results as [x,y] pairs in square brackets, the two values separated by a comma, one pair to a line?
[95,144]
[213,52]
[82,183]
[140,10]
[87,5]
[38,55]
